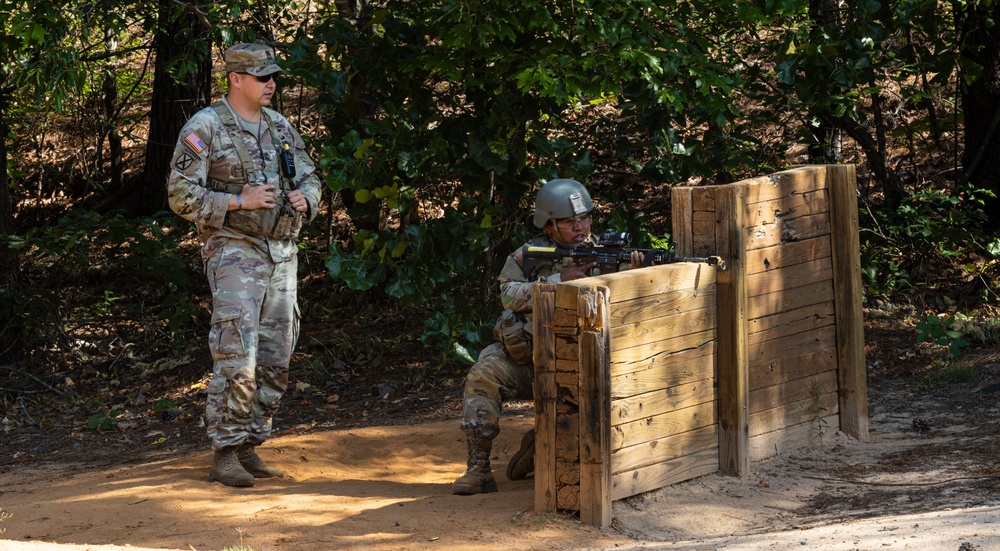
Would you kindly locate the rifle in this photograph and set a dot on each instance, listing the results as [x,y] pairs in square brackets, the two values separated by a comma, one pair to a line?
[610,252]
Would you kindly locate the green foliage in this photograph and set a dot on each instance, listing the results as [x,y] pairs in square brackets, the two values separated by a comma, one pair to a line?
[104,421]
[940,332]
[931,224]
[944,372]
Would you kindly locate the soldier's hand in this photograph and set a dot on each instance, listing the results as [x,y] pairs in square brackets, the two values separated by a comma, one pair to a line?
[635,260]
[258,197]
[298,200]
[577,272]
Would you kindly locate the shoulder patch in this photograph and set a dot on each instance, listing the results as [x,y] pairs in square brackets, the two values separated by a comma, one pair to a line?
[195,142]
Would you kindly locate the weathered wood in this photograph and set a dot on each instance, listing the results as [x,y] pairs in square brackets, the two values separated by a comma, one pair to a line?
[793,437]
[702,199]
[685,368]
[788,415]
[782,393]
[664,449]
[674,422]
[787,254]
[543,357]
[625,359]
[595,403]
[774,303]
[799,180]
[786,279]
[661,400]
[683,323]
[733,390]
[787,208]
[790,322]
[644,282]
[681,209]
[663,474]
[771,370]
[787,231]
[704,229]
[656,306]
[847,283]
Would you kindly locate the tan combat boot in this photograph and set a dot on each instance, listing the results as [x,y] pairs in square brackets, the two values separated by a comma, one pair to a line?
[226,469]
[523,462]
[478,478]
[255,465]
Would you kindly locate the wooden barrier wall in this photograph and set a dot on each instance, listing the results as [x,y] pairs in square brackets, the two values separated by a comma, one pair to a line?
[650,377]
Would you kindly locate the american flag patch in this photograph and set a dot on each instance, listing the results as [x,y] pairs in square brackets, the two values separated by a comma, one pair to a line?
[195,142]
[519,256]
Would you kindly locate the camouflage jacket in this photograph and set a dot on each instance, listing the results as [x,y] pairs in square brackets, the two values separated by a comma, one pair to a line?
[205,153]
[515,289]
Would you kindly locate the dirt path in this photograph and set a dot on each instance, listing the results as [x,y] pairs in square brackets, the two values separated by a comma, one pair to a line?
[387,488]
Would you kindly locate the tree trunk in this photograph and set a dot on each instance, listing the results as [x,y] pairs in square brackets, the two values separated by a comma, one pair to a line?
[12,327]
[180,41]
[981,108]
[827,139]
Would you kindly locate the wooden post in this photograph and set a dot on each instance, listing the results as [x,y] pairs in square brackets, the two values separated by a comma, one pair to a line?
[846,250]
[595,407]
[681,211]
[732,352]
[543,356]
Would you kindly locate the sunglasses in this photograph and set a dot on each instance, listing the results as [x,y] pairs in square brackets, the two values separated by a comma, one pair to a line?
[262,79]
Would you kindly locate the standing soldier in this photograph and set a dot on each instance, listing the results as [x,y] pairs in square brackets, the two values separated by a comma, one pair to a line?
[504,370]
[240,172]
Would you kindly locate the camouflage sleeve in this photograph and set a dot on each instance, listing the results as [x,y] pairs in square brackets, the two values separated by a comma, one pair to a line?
[515,289]
[187,193]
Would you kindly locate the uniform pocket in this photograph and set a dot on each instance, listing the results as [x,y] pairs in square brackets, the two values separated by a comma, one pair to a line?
[225,338]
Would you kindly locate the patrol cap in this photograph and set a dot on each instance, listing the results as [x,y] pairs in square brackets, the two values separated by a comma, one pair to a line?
[255,59]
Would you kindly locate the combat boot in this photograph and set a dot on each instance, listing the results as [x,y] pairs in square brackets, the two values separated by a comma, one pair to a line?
[523,462]
[478,478]
[255,465]
[226,469]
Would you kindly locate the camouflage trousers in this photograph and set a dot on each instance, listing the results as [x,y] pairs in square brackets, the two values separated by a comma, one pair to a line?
[255,325]
[493,379]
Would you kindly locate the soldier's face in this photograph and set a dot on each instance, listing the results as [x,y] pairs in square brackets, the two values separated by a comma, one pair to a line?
[571,231]
[254,90]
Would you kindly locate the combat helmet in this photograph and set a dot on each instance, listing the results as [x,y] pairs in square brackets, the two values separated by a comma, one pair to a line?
[561,198]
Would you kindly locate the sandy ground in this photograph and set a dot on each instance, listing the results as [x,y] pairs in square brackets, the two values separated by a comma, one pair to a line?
[388,488]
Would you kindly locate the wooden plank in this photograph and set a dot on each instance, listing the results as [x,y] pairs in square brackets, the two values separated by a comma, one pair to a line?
[661,401]
[787,231]
[791,438]
[543,357]
[703,227]
[681,369]
[774,370]
[657,476]
[790,322]
[782,393]
[848,288]
[681,209]
[802,179]
[789,415]
[732,356]
[787,254]
[658,426]
[789,299]
[644,282]
[684,323]
[595,404]
[664,449]
[784,279]
[657,306]
[792,346]
[635,358]
[703,199]
[789,207]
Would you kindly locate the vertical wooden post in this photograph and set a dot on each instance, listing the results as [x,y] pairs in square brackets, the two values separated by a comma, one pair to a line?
[681,212]
[846,250]
[595,407]
[544,359]
[733,355]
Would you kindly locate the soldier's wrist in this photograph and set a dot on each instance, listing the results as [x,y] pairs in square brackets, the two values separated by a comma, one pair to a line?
[239,202]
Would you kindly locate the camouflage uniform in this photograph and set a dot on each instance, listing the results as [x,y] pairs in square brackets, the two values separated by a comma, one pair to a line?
[255,315]
[496,376]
